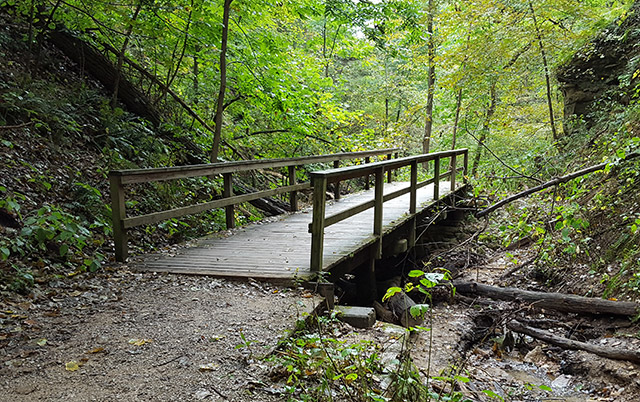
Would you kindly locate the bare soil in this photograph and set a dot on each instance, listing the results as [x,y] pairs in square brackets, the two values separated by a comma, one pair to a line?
[143,337]
[121,335]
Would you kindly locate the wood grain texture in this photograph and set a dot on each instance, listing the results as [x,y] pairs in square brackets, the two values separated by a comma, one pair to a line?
[280,249]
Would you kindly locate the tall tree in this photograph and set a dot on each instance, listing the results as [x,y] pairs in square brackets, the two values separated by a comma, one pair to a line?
[223,82]
[545,65]
[123,51]
[431,79]
[491,109]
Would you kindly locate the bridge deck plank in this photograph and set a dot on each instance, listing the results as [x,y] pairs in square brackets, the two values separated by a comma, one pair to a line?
[279,249]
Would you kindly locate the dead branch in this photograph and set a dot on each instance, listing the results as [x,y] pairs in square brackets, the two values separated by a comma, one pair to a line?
[550,183]
[554,301]
[518,267]
[22,125]
[608,352]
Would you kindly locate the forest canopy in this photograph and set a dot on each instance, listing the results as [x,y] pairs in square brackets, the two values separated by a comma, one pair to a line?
[304,77]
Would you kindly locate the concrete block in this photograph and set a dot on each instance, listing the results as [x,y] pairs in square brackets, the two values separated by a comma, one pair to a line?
[359,317]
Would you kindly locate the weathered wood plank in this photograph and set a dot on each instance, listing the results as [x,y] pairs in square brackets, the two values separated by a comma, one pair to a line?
[205,206]
[131,176]
[279,250]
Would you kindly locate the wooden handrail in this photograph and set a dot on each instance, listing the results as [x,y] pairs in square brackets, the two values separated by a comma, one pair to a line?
[119,178]
[320,179]
[130,176]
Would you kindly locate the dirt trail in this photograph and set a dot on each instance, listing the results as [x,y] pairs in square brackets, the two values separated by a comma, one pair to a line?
[142,337]
[153,337]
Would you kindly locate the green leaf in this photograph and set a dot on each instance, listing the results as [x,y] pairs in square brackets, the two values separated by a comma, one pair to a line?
[5,253]
[419,310]
[493,394]
[416,273]
[461,378]
[390,292]
[63,250]
[545,388]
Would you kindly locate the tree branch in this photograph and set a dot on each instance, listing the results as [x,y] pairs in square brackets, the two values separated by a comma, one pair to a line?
[608,352]
[500,160]
[286,130]
[550,183]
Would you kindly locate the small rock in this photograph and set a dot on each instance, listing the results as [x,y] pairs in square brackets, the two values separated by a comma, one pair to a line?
[24,389]
[561,383]
[359,317]
[202,394]
[535,356]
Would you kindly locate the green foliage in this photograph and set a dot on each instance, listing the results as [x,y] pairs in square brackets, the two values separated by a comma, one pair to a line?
[318,368]
[56,236]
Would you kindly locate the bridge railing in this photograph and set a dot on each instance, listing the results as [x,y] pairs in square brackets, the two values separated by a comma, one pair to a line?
[320,180]
[119,178]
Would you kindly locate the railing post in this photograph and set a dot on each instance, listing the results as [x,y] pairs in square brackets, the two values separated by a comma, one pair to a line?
[366,178]
[413,203]
[454,170]
[317,224]
[336,185]
[377,211]
[465,167]
[118,213]
[389,178]
[436,178]
[293,195]
[227,191]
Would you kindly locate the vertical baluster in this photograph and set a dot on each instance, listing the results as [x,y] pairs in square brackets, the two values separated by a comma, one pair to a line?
[227,192]
[413,203]
[336,185]
[293,195]
[118,213]
[436,178]
[465,167]
[377,212]
[366,178]
[317,224]
[454,170]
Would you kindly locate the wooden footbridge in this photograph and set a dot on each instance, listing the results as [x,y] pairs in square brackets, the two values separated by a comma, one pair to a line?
[333,236]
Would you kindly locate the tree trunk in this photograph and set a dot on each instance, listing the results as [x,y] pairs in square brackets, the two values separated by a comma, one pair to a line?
[223,82]
[552,123]
[553,301]
[122,53]
[431,81]
[491,109]
[196,72]
[457,118]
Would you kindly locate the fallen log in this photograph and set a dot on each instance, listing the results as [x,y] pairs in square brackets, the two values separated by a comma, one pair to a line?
[400,305]
[604,351]
[555,301]
[101,68]
[270,206]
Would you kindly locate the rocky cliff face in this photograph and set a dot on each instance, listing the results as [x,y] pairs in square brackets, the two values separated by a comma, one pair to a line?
[606,69]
